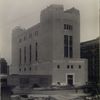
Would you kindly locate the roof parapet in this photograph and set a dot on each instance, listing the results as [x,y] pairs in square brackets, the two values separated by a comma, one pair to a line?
[72,10]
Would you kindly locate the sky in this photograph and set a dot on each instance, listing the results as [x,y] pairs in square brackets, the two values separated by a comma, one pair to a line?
[26,13]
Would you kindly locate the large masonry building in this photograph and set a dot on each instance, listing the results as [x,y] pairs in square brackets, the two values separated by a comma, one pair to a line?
[50,50]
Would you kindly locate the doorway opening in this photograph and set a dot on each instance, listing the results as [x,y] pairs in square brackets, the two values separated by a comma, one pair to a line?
[70,80]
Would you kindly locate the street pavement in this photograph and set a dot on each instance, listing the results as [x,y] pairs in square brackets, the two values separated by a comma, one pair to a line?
[69,94]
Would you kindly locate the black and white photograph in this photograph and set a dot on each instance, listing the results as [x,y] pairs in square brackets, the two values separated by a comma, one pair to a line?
[49,50]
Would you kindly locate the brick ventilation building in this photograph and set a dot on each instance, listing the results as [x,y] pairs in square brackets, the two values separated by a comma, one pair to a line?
[49,52]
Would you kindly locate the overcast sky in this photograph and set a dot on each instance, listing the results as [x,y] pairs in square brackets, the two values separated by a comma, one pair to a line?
[26,13]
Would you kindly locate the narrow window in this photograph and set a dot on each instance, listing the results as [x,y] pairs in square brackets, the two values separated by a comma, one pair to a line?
[30,53]
[64,26]
[20,69]
[65,46]
[24,69]
[70,40]
[79,66]
[65,40]
[67,27]
[68,66]
[20,56]
[36,52]
[71,52]
[71,66]
[58,66]
[30,68]
[70,46]
[24,54]
[65,51]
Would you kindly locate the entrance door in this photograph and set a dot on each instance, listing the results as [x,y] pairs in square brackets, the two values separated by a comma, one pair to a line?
[70,79]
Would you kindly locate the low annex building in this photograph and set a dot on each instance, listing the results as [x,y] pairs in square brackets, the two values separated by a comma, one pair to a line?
[49,52]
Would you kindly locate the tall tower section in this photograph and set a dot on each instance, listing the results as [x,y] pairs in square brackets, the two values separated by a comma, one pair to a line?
[71,22]
[52,33]
[60,33]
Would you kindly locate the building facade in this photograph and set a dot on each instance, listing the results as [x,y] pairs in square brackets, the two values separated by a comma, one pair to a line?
[4,88]
[90,51]
[4,72]
[51,48]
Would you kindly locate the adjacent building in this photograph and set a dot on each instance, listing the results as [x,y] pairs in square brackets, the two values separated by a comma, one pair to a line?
[49,52]
[4,72]
[90,51]
[4,88]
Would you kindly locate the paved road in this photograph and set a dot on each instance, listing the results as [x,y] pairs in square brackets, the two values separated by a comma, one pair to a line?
[58,94]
